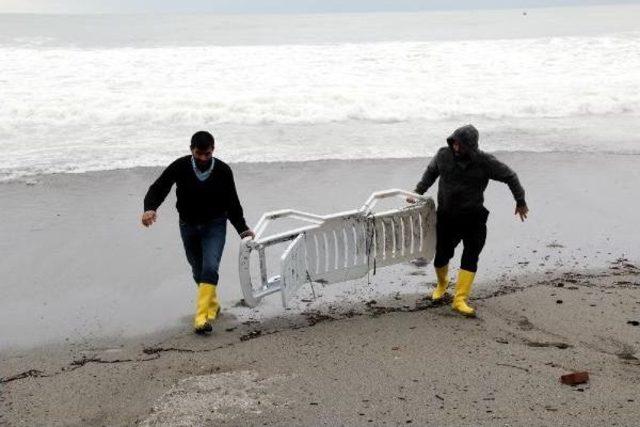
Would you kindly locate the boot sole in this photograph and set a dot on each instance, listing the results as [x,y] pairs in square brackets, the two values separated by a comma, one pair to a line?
[203,330]
[446,298]
[470,315]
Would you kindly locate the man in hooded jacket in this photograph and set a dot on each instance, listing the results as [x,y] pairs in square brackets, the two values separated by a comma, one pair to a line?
[464,173]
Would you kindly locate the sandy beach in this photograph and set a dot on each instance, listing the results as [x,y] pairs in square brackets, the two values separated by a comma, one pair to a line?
[384,362]
[95,319]
[315,106]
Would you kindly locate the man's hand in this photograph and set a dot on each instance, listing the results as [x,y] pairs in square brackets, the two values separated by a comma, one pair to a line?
[522,211]
[248,233]
[411,200]
[148,218]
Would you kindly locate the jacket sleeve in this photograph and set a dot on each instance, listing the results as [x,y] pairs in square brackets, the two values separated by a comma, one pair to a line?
[500,172]
[429,176]
[236,215]
[160,188]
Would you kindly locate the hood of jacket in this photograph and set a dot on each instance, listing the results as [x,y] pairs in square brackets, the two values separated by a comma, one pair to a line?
[467,135]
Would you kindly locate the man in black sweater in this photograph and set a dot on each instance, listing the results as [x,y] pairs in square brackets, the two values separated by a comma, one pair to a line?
[206,198]
[464,173]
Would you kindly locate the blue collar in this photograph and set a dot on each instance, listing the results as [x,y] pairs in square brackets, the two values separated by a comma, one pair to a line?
[202,176]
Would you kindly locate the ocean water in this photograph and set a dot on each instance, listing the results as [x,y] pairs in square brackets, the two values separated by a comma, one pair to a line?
[82,93]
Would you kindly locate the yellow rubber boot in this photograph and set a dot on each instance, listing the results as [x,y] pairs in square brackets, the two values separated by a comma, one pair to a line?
[214,305]
[200,322]
[463,289]
[443,282]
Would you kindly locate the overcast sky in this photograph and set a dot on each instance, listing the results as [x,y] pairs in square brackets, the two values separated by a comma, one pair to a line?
[274,6]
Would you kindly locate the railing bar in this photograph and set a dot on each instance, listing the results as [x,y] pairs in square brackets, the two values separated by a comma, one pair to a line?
[326,252]
[404,238]
[264,277]
[336,249]
[422,226]
[354,249]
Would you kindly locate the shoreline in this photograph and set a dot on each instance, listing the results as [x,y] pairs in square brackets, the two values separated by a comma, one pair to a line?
[44,176]
[123,266]
[345,141]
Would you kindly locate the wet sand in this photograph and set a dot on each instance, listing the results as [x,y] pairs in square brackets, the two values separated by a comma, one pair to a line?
[388,361]
[95,319]
[77,265]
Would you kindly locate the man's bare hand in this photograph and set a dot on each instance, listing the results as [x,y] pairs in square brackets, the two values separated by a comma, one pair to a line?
[522,211]
[248,233]
[148,218]
[411,200]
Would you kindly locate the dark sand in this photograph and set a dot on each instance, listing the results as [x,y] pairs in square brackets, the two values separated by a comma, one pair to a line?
[391,362]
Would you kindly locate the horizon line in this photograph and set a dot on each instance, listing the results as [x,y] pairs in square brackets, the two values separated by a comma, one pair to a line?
[318,12]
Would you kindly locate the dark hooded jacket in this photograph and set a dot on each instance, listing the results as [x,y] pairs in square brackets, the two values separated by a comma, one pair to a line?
[464,179]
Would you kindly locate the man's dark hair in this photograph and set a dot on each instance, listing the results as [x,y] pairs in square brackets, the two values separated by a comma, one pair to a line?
[202,140]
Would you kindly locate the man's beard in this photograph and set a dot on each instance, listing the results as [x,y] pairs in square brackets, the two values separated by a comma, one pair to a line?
[203,166]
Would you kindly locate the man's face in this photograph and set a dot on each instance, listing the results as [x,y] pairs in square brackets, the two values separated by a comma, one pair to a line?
[458,149]
[202,157]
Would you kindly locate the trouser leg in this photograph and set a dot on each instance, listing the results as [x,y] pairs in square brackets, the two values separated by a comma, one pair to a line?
[473,240]
[448,236]
[212,247]
[473,237]
[193,248]
[204,244]
[213,241]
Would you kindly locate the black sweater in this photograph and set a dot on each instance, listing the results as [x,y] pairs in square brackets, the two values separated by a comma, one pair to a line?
[198,201]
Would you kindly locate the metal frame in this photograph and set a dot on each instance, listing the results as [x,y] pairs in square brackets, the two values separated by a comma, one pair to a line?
[339,247]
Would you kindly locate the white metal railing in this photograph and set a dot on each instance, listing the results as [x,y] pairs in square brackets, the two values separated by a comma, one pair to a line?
[339,247]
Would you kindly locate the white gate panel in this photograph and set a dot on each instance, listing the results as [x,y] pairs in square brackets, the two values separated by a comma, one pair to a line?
[341,247]
[294,268]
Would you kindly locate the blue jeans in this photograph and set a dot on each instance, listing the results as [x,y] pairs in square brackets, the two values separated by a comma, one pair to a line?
[203,245]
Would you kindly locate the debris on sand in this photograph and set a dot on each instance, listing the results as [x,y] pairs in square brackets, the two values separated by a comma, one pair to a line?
[555,244]
[575,378]
[622,264]
[315,317]
[31,373]
[417,273]
[420,262]
[559,345]
[251,335]
[241,303]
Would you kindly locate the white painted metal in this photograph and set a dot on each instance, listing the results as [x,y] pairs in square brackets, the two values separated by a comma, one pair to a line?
[340,247]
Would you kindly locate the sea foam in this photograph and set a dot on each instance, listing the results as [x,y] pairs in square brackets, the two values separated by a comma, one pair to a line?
[121,102]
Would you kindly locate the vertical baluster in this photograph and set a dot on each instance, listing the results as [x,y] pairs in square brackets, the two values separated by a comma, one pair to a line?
[349,245]
[362,240]
[379,239]
[415,232]
[389,239]
[322,253]
[331,250]
[312,254]
[406,236]
[397,236]
[340,250]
